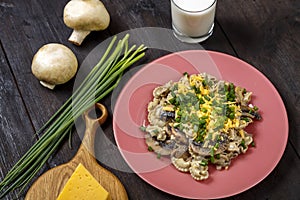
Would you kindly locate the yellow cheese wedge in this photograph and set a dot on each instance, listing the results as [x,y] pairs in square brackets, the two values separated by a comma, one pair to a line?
[83,186]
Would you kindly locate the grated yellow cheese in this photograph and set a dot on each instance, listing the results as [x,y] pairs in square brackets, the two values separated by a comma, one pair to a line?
[204,91]
[169,108]
[241,132]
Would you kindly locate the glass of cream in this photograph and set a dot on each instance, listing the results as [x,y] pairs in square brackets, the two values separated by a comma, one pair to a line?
[193,20]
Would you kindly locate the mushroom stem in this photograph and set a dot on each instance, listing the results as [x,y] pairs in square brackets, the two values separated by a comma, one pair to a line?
[78,36]
[47,85]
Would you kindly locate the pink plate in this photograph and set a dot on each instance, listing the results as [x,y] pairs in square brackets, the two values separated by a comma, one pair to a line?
[270,134]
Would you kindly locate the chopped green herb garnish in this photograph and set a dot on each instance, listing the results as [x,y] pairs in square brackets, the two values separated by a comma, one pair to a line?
[143,128]
[196,89]
[178,119]
[231,116]
[202,121]
[204,163]
[172,101]
[155,131]
[212,155]
[204,110]
[150,148]
[212,159]
[179,113]
[246,119]
[204,117]
[201,101]
[206,97]
[243,144]
[217,145]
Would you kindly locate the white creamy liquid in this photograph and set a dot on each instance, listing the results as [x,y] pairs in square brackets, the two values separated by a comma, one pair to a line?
[193,18]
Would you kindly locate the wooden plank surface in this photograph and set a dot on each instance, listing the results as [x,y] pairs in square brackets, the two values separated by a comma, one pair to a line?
[15,124]
[267,36]
[263,33]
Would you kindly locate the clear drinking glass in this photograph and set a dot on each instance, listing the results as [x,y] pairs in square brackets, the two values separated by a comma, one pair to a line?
[193,20]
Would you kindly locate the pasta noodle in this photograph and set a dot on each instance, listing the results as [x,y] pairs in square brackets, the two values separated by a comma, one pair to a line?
[198,121]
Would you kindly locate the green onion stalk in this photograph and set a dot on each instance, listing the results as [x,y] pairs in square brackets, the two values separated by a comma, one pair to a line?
[101,80]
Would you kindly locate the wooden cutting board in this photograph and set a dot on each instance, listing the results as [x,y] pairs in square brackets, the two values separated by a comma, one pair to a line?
[49,185]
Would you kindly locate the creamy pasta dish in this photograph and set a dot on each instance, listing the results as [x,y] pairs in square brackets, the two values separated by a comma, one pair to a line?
[198,121]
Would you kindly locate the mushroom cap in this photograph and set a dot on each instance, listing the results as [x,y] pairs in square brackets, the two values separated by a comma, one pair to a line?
[88,15]
[54,64]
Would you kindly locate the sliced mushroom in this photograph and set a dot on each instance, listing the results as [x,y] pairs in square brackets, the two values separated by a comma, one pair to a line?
[249,112]
[204,148]
[163,149]
[179,136]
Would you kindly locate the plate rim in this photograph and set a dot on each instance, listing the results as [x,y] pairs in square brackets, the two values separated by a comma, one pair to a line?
[210,53]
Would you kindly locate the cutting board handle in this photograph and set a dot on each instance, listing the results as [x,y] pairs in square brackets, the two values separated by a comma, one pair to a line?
[86,149]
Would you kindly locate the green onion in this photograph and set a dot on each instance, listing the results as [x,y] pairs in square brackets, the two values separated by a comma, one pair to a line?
[196,89]
[201,101]
[102,79]
[231,115]
[217,145]
[143,128]
[204,110]
[150,148]
[172,101]
[246,119]
[158,156]
[202,121]
[206,98]
[204,163]
[212,155]
[243,144]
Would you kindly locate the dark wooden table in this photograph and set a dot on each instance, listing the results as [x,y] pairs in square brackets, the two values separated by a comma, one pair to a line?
[263,33]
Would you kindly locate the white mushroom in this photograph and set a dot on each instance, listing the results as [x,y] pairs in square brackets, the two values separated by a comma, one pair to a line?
[85,16]
[54,64]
